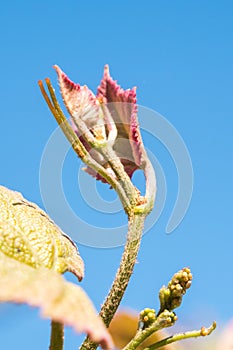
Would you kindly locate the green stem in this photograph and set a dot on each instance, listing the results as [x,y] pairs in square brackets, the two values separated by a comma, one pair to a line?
[57,336]
[166,319]
[180,336]
[135,228]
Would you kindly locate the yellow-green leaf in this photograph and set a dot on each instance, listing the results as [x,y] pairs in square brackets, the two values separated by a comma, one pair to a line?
[58,299]
[29,236]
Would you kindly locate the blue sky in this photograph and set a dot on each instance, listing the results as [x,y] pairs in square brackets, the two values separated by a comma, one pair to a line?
[179,55]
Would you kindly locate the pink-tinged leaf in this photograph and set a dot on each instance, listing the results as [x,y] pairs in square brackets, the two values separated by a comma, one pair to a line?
[110,91]
[122,106]
[57,299]
[29,236]
[76,98]
[82,105]
[111,105]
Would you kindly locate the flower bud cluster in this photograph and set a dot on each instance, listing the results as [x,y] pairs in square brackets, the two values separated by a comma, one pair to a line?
[171,296]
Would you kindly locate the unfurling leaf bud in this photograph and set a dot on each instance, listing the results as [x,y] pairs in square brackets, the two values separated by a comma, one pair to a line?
[107,118]
[147,317]
[171,296]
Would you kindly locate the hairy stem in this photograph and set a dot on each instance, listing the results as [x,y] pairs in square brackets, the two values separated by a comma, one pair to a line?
[136,224]
[135,228]
[57,336]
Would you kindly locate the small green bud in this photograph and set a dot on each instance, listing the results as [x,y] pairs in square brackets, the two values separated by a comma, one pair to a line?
[147,317]
[166,318]
[164,297]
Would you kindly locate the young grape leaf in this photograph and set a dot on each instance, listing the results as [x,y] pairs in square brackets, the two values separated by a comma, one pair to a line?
[29,236]
[58,299]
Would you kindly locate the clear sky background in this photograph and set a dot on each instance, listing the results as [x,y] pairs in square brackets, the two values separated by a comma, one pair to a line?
[179,54]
